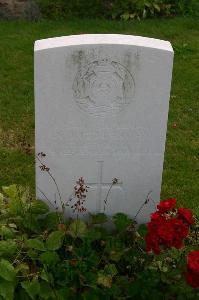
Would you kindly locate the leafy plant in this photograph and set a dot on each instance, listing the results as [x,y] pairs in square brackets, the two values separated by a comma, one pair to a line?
[43,256]
[124,9]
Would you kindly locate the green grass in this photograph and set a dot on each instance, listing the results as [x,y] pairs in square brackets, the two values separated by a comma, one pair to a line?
[181,167]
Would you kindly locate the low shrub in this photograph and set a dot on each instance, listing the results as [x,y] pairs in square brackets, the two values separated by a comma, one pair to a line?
[31,11]
[79,8]
[44,256]
[120,9]
[109,9]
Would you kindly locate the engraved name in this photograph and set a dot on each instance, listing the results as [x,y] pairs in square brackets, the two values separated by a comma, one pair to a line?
[108,141]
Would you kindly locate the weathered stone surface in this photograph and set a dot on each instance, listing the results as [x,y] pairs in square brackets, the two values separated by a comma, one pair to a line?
[101,112]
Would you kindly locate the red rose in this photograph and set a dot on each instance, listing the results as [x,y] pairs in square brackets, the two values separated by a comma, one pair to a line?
[152,243]
[166,205]
[192,279]
[172,232]
[181,230]
[192,273]
[193,261]
[186,215]
[166,233]
[168,230]
[177,242]
[156,220]
[157,217]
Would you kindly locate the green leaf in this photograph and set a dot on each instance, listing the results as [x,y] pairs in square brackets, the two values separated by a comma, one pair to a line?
[33,254]
[144,13]
[45,290]
[32,288]
[18,199]
[64,294]
[7,271]
[35,244]
[132,16]
[14,202]
[156,6]
[48,277]
[31,222]
[125,16]
[93,234]
[22,268]
[11,191]
[147,4]
[6,232]
[114,248]
[44,275]
[104,280]
[142,230]
[110,269]
[55,240]
[49,258]
[39,207]
[12,225]
[21,294]
[99,218]
[6,289]
[77,229]
[1,200]
[51,220]
[116,255]
[121,221]
[91,294]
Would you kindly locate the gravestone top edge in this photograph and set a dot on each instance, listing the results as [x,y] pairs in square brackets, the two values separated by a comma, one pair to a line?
[102,39]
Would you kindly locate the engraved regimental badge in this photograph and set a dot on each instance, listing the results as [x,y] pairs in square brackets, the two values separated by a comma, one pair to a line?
[103,87]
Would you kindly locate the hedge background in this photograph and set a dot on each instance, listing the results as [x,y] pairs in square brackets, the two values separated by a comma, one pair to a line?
[109,9]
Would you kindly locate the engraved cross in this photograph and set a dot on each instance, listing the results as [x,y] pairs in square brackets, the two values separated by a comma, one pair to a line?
[99,186]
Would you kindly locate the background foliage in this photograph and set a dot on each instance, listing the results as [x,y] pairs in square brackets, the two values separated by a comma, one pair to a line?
[124,9]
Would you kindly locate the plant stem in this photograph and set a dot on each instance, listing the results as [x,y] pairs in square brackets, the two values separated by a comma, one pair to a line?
[56,185]
[145,202]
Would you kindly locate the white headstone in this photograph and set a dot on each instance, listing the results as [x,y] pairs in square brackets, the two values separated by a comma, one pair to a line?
[101,113]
